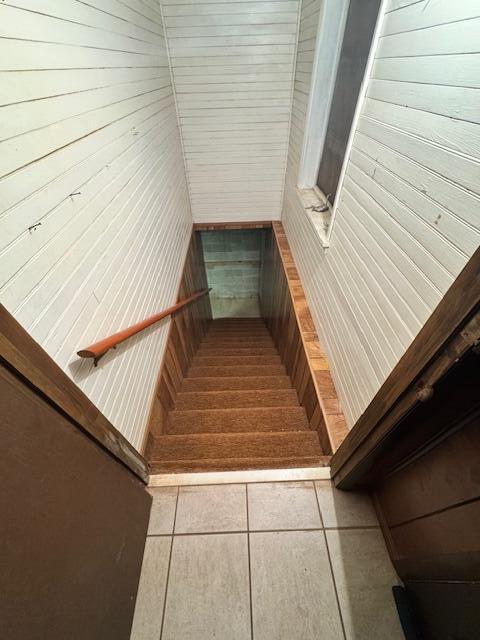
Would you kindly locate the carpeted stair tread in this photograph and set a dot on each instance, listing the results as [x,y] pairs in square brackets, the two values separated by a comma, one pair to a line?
[236,383]
[236,370]
[236,399]
[220,361]
[206,446]
[233,420]
[237,351]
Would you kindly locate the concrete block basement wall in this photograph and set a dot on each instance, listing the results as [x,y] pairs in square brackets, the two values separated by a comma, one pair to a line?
[233,260]
[94,210]
[409,211]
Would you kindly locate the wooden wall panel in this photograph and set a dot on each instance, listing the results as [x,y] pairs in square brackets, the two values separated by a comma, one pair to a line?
[73,525]
[187,327]
[286,312]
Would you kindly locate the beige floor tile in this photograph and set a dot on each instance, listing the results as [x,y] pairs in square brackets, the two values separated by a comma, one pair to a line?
[344,508]
[147,620]
[162,514]
[211,508]
[282,505]
[208,593]
[364,577]
[293,596]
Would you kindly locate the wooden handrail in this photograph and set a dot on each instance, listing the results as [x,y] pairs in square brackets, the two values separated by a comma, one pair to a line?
[100,348]
[24,356]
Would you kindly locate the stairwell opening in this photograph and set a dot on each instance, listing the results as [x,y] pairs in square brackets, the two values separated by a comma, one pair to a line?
[244,383]
[233,262]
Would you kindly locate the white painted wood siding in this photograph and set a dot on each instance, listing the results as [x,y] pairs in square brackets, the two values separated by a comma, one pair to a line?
[94,210]
[409,212]
[232,66]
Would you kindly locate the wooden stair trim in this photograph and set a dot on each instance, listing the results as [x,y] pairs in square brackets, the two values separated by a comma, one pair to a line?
[235,383]
[335,422]
[187,327]
[234,351]
[213,361]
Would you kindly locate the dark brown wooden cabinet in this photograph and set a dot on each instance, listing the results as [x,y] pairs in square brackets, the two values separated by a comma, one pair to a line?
[72,526]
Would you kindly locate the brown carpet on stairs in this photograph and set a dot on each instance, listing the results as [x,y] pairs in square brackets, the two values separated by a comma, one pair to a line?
[237,408]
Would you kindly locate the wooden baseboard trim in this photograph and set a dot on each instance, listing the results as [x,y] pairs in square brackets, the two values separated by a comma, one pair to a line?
[323,392]
[219,226]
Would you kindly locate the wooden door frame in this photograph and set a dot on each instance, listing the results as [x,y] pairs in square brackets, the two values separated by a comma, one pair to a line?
[452,329]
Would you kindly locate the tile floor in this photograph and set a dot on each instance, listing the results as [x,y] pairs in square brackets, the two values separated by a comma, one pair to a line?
[264,561]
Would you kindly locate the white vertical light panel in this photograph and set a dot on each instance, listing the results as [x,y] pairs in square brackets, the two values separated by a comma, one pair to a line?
[94,212]
[409,209]
[232,66]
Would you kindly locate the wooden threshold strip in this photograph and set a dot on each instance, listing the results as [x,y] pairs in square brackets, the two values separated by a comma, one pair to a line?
[451,330]
[294,474]
[22,354]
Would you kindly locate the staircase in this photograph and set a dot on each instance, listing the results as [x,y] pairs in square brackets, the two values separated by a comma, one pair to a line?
[237,408]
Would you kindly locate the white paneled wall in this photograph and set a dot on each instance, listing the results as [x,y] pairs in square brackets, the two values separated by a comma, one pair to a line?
[307,38]
[409,212]
[232,65]
[94,211]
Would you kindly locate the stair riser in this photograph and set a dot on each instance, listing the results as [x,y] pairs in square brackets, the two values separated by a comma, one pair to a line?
[236,383]
[225,361]
[235,335]
[237,420]
[243,340]
[235,371]
[238,464]
[238,351]
[236,399]
[237,328]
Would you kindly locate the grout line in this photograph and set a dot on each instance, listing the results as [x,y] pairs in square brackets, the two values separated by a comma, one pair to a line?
[331,567]
[169,564]
[284,530]
[234,531]
[249,564]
